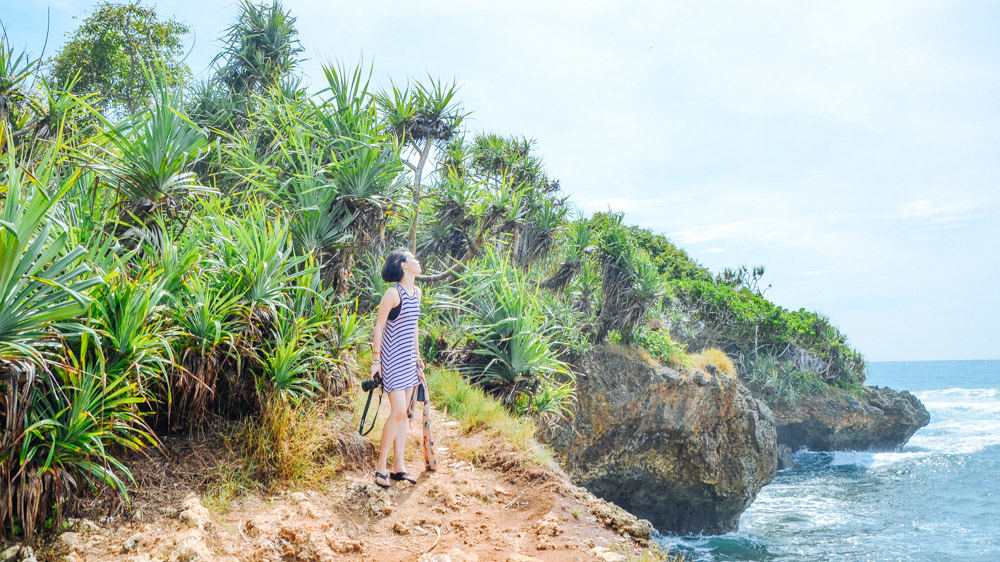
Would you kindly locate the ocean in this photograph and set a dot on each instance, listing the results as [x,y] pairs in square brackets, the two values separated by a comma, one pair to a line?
[938,498]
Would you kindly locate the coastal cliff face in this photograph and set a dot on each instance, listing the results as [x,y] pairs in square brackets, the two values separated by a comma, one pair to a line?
[687,451]
[883,419]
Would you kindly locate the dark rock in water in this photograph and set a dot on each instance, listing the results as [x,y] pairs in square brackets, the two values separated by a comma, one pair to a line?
[883,419]
[688,451]
[785,458]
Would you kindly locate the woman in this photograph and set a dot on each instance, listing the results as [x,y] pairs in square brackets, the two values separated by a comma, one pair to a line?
[397,358]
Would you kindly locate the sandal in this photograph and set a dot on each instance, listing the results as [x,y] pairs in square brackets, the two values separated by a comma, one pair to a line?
[383,477]
[399,476]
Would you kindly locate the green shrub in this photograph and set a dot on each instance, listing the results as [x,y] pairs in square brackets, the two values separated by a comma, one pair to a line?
[741,321]
[781,381]
[660,345]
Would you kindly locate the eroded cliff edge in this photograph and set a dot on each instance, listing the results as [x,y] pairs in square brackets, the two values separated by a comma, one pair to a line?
[881,419]
[688,451]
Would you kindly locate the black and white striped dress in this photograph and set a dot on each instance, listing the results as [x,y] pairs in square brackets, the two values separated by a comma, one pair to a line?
[399,353]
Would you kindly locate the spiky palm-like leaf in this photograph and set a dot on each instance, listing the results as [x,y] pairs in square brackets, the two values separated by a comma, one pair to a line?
[130,316]
[43,283]
[148,157]
[67,426]
[289,362]
[257,256]
[206,314]
[510,328]
[631,283]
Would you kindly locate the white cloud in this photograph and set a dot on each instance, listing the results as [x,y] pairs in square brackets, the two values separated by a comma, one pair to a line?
[940,213]
[713,251]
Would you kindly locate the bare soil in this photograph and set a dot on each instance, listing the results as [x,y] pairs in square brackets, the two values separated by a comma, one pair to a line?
[502,507]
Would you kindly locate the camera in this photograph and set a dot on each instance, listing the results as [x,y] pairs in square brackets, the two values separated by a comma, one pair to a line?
[369,385]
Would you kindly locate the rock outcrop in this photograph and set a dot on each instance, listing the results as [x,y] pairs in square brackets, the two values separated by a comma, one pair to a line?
[688,451]
[883,419]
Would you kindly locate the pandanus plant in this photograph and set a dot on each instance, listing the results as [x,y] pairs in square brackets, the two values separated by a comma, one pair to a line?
[514,351]
[58,413]
[578,248]
[148,157]
[61,431]
[631,283]
[207,315]
[43,282]
[421,120]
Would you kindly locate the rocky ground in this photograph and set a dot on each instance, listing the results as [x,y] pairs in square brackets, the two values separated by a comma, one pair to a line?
[502,508]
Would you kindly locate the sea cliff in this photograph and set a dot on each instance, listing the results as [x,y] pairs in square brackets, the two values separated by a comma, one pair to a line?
[688,450]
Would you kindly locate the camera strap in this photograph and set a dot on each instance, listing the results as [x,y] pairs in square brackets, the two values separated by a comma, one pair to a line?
[361,428]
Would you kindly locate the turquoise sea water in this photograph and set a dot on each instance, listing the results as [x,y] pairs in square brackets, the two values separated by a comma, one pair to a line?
[938,498]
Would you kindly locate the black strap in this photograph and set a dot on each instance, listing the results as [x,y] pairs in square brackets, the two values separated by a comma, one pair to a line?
[361,428]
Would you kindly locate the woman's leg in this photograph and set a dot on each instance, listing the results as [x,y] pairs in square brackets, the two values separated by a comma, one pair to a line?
[397,417]
[399,460]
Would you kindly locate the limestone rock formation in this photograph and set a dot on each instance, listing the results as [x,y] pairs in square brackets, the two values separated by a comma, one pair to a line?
[883,419]
[688,451]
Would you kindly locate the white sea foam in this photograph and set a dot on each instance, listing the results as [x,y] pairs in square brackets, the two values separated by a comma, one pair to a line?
[856,458]
[963,420]
[964,392]
[887,459]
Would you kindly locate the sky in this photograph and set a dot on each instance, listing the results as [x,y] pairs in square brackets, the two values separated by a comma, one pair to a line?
[853,148]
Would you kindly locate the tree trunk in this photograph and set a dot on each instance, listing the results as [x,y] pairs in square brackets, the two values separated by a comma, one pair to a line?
[416,193]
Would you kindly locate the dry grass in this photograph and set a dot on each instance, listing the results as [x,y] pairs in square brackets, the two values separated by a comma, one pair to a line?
[633,352]
[285,445]
[717,358]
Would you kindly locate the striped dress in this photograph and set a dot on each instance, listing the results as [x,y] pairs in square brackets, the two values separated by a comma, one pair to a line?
[399,353]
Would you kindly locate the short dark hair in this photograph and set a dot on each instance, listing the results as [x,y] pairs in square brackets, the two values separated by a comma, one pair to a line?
[392,271]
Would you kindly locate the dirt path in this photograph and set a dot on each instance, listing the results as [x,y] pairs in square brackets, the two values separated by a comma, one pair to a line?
[505,508]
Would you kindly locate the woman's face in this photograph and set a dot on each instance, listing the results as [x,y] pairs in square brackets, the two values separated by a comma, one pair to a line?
[412,264]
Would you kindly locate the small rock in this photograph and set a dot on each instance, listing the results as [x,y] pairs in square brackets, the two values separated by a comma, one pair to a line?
[343,546]
[545,544]
[613,557]
[194,514]
[548,526]
[500,491]
[309,509]
[72,557]
[785,458]
[133,542]
[400,529]
[191,548]
[298,497]
[18,553]
[69,540]
[522,558]
[436,558]
[84,525]
[461,556]
[267,550]
[372,500]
